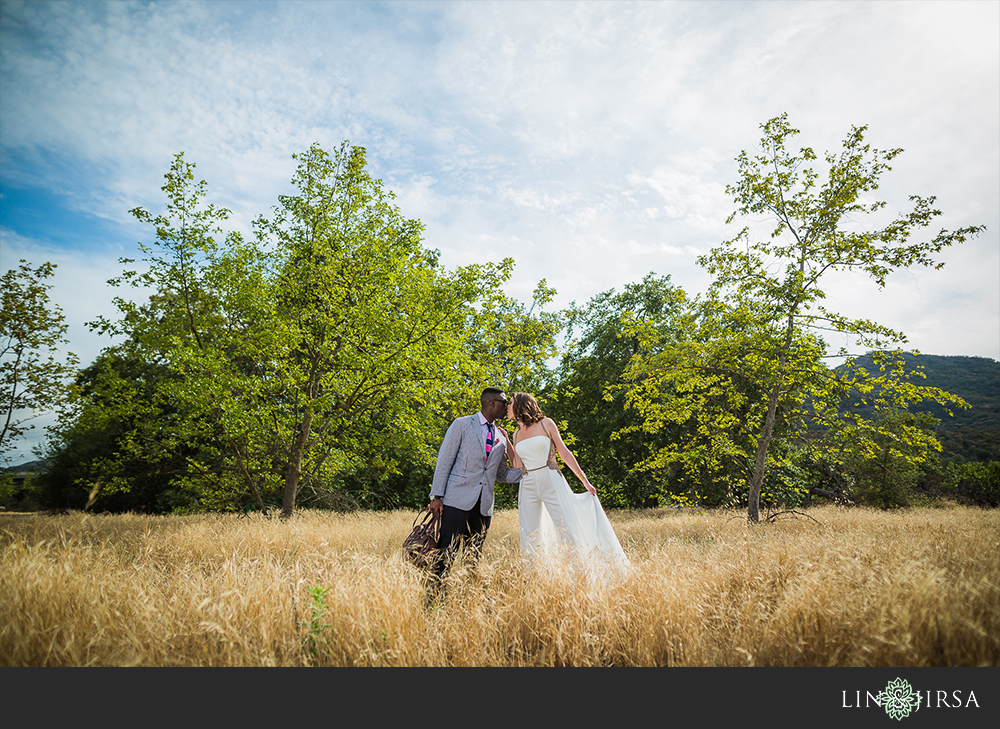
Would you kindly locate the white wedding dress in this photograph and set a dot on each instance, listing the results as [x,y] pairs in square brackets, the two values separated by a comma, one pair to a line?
[556,522]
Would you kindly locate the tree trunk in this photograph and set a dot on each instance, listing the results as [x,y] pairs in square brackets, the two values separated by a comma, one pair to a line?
[753,505]
[251,484]
[760,462]
[294,471]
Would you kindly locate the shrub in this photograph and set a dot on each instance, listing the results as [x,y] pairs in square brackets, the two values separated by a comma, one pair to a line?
[975,484]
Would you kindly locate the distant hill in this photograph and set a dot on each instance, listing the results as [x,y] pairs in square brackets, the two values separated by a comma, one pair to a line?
[973,433]
[29,466]
[24,467]
[21,470]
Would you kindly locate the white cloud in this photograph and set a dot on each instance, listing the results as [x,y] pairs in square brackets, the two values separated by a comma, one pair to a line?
[591,141]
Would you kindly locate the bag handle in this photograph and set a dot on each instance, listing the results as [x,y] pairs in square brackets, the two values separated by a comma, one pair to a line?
[432,519]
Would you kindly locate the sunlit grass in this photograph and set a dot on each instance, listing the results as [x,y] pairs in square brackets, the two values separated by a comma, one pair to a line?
[843,588]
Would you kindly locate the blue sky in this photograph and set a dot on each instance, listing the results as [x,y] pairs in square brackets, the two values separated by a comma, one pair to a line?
[590,141]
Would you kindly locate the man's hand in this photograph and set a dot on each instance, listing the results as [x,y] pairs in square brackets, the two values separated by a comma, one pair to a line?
[436,505]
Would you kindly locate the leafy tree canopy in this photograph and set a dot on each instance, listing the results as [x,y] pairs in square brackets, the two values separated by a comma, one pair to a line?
[33,372]
[307,351]
[751,367]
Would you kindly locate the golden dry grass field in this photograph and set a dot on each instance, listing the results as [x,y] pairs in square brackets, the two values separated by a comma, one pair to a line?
[853,587]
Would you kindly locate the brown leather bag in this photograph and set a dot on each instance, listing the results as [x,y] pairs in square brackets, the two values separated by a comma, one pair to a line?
[420,548]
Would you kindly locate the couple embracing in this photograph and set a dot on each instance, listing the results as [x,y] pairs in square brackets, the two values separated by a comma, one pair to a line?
[552,519]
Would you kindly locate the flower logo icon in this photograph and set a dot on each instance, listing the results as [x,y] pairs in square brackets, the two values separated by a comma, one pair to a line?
[898,699]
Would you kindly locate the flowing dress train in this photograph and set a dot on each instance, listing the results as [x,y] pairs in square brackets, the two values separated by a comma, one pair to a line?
[552,519]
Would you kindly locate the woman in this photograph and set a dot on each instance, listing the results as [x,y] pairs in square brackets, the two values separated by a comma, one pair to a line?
[550,516]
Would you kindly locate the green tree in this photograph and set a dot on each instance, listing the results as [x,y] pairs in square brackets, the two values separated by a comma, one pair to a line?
[102,444]
[508,346]
[882,459]
[192,336]
[514,344]
[764,307]
[586,392]
[702,387]
[33,373]
[376,329]
[303,354]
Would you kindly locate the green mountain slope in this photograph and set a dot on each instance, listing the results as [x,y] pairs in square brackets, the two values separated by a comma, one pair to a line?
[970,434]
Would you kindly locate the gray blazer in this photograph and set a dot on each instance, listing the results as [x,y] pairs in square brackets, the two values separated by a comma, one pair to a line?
[463,472]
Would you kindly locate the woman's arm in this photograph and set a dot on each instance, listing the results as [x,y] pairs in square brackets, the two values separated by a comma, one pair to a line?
[567,455]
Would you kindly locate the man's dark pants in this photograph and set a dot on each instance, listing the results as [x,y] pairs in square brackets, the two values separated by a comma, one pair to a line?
[458,526]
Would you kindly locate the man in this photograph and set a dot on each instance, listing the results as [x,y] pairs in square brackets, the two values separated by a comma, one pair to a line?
[472,458]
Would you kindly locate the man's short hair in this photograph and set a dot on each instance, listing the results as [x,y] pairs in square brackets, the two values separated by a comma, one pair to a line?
[489,394]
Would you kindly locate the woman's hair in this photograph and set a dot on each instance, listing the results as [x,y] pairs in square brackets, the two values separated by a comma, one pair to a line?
[526,408]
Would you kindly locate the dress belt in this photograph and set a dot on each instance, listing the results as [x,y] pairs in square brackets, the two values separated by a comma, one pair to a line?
[529,470]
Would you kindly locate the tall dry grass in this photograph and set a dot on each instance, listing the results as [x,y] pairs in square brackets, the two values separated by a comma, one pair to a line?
[839,588]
